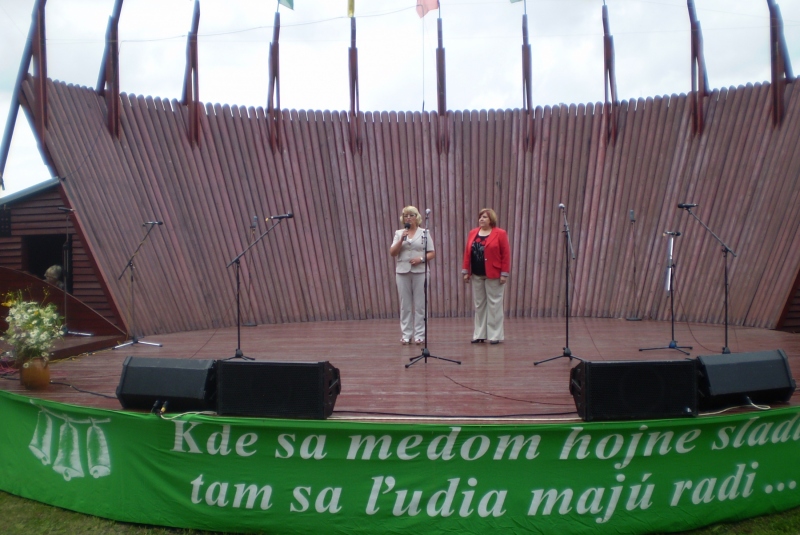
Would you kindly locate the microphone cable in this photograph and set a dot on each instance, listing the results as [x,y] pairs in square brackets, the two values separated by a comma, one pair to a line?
[462,385]
[689,325]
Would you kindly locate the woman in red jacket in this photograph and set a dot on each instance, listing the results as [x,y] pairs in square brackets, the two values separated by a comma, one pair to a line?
[487,262]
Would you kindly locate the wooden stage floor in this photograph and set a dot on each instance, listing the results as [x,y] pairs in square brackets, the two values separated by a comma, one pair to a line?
[493,382]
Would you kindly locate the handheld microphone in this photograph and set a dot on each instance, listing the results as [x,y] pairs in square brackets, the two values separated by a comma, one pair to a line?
[668,233]
[407,226]
[632,217]
[65,209]
[561,206]
[152,223]
[686,205]
[282,216]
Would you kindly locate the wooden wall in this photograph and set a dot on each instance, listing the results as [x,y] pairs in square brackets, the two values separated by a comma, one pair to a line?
[38,215]
[331,261]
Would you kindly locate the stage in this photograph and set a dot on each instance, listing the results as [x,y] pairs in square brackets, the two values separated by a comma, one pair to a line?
[492,381]
[491,444]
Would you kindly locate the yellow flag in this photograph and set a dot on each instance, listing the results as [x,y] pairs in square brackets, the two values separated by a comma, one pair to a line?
[351,8]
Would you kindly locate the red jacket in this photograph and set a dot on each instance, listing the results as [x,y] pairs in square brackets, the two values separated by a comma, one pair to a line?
[495,250]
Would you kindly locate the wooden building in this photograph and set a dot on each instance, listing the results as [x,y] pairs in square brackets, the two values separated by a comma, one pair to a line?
[35,234]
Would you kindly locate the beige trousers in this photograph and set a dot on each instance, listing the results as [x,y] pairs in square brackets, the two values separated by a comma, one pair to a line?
[411,290]
[487,295]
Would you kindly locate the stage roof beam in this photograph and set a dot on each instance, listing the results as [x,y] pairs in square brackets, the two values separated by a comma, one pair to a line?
[352,57]
[101,78]
[274,89]
[781,65]
[191,78]
[699,73]
[108,80]
[527,95]
[24,65]
[610,82]
[441,92]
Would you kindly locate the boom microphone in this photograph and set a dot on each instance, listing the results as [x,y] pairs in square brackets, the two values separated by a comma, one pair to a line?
[65,209]
[668,233]
[152,223]
[282,216]
[686,205]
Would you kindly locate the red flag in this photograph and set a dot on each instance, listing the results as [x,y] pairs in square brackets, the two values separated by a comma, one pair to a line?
[423,6]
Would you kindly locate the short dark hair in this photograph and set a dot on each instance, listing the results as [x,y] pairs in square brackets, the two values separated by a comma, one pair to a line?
[491,214]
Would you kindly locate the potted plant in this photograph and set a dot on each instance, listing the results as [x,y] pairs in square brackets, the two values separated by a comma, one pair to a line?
[32,329]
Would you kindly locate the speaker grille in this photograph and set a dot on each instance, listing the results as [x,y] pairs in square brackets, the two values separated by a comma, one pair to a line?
[623,390]
[277,389]
[185,384]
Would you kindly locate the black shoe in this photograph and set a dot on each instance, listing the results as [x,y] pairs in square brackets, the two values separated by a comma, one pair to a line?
[479,341]
[494,342]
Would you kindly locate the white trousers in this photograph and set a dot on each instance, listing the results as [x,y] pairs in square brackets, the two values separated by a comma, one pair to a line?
[487,296]
[411,290]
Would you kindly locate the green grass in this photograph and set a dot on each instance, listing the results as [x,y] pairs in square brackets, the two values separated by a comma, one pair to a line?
[26,517]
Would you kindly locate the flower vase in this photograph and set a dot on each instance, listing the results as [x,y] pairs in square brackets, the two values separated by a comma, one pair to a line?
[34,374]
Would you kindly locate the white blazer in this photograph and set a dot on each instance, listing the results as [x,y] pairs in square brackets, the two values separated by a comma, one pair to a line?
[412,248]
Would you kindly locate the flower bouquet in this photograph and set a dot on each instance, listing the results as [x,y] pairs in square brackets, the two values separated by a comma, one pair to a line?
[32,329]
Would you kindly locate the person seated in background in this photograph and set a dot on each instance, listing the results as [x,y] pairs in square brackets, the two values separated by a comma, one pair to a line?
[53,276]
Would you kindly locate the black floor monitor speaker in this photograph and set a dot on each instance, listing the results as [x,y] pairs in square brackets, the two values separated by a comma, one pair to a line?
[634,390]
[733,379]
[184,384]
[277,389]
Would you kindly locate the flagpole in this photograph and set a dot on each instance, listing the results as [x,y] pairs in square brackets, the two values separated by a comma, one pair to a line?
[423,64]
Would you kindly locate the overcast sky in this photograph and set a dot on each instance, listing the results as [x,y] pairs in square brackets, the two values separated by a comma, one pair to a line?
[396,48]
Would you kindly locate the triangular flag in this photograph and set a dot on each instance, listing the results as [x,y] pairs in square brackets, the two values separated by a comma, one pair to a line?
[351,8]
[287,3]
[423,6]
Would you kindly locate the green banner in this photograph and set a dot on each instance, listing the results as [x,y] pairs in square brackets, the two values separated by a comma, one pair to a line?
[288,476]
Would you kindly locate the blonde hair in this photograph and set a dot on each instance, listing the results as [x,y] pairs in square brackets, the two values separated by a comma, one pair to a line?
[53,272]
[411,210]
[491,214]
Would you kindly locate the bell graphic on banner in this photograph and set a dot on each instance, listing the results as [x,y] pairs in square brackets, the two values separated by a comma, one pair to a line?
[42,442]
[97,451]
[68,460]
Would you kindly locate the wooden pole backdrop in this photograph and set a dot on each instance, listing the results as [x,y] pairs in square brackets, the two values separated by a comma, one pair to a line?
[331,261]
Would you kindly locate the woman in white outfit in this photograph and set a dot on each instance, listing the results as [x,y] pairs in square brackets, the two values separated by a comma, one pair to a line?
[408,248]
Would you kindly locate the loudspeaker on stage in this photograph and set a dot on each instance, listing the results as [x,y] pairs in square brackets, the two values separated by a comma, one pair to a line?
[634,390]
[185,385]
[738,378]
[277,389]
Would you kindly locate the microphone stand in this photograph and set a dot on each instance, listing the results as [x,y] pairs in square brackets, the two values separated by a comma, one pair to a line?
[238,353]
[134,339]
[671,289]
[253,227]
[635,316]
[725,251]
[568,252]
[65,254]
[425,355]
